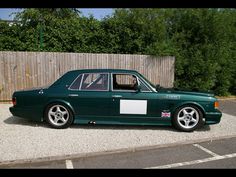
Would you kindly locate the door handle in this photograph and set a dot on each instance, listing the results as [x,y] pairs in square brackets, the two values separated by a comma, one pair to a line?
[116,96]
[73,95]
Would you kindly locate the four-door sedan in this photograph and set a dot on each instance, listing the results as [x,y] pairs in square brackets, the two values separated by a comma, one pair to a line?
[114,96]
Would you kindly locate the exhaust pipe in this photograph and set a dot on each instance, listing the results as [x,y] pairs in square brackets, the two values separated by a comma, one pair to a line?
[92,122]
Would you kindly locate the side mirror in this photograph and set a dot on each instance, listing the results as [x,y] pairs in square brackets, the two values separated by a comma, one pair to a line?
[138,88]
[158,87]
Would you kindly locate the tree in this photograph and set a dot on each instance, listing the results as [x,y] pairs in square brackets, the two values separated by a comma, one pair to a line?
[46,26]
[9,38]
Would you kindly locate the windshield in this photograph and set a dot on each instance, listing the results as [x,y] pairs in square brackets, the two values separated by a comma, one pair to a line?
[151,84]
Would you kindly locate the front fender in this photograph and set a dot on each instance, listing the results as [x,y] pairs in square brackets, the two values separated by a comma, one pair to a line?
[173,108]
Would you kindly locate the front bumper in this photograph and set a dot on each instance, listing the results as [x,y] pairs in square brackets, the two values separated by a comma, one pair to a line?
[213,117]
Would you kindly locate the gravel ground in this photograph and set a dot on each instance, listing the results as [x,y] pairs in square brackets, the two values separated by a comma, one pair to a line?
[24,139]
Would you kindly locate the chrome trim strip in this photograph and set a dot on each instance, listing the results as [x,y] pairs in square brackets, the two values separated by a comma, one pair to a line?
[110,80]
[116,96]
[81,82]
[83,79]
[73,95]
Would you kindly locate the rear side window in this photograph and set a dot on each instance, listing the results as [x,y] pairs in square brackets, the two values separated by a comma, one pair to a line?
[76,84]
[95,81]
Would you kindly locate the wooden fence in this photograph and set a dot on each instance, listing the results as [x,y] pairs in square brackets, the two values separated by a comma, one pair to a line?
[22,70]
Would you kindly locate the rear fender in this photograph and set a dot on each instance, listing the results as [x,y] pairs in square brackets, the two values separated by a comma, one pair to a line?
[60,101]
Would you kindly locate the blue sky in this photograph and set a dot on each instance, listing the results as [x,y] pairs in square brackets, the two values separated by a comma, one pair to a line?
[98,13]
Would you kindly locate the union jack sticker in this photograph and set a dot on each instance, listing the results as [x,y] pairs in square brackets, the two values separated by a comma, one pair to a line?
[165,114]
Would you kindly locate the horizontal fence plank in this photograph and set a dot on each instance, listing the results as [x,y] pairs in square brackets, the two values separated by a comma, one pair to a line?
[23,70]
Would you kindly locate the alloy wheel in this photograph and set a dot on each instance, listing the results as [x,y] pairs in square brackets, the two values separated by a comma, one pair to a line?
[58,115]
[188,117]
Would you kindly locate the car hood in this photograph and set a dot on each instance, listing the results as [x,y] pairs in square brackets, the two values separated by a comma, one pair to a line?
[177,91]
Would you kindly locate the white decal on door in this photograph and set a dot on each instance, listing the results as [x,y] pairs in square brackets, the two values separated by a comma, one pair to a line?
[133,106]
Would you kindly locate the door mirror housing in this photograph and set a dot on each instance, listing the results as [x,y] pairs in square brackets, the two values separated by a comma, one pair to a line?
[138,88]
[158,87]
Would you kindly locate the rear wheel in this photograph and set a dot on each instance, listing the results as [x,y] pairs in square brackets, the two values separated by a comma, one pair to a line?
[187,118]
[58,116]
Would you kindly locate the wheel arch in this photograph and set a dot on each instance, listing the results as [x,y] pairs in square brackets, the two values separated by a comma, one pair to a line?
[60,101]
[200,107]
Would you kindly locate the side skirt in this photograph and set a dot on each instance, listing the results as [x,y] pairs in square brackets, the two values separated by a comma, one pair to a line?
[123,120]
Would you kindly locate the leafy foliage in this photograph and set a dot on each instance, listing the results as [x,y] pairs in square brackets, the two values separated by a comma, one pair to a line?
[202,40]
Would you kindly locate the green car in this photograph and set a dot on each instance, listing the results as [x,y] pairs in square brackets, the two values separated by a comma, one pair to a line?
[114,96]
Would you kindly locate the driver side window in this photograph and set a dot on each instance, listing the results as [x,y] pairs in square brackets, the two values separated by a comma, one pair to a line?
[127,82]
[124,82]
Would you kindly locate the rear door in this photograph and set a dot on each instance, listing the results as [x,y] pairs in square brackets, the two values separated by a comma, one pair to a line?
[90,96]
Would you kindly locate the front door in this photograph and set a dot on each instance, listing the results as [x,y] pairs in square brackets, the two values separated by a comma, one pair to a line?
[130,105]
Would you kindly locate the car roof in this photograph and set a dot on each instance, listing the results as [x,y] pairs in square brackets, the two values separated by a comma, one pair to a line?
[104,70]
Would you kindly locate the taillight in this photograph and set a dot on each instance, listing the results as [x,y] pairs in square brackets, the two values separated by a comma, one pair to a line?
[14,101]
[216,104]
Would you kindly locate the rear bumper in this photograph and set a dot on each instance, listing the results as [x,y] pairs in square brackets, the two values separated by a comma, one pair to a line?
[33,114]
[16,112]
[213,117]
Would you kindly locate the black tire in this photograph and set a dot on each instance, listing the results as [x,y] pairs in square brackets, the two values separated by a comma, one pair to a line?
[178,123]
[64,114]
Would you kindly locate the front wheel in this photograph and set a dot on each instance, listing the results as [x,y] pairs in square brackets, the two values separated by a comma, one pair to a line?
[187,118]
[58,116]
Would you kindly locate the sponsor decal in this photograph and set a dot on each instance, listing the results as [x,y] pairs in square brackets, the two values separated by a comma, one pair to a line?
[165,114]
[170,97]
[173,97]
